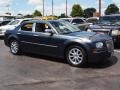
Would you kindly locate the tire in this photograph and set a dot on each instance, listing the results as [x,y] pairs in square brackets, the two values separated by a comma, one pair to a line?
[14,47]
[76,56]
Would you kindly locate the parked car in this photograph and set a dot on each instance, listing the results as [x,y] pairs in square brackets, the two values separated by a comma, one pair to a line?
[109,24]
[92,20]
[11,25]
[59,39]
[2,23]
[79,22]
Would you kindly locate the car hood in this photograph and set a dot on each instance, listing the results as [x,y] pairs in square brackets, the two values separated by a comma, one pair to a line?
[90,36]
[7,27]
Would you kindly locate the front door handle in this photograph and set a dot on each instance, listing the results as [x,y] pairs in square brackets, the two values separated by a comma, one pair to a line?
[36,35]
[18,33]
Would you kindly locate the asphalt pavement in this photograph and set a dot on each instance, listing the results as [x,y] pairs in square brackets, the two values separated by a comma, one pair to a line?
[35,72]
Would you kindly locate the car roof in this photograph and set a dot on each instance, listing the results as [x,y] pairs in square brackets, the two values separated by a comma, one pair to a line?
[93,18]
[38,21]
[25,19]
[73,18]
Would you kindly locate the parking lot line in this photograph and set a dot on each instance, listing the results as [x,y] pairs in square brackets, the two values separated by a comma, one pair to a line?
[118,51]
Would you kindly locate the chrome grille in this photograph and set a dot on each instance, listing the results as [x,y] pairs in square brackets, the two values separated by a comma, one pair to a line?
[105,32]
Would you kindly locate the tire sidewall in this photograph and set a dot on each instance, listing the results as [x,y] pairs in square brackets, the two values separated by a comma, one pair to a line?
[84,61]
[18,52]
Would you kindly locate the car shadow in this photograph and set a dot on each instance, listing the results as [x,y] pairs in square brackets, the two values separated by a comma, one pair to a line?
[117,47]
[47,58]
[107,63]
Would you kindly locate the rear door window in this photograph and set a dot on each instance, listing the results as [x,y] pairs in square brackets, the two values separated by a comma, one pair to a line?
[41,27]
[27,27]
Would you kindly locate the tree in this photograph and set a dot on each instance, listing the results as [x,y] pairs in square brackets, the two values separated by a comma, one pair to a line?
[28,16]
[77,10]
[89,12]
[112,9]
[62,15]
[37,13]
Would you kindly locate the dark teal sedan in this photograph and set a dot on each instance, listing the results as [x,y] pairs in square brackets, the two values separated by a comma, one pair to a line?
[59,39]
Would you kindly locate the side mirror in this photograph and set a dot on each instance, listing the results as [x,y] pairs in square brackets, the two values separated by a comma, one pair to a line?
[49,31]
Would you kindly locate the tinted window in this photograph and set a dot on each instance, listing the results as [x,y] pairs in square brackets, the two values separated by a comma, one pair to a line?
[92,20]
[4,23]
[41,27]
[27,27]
[78,21]
[68,20]
[110,20]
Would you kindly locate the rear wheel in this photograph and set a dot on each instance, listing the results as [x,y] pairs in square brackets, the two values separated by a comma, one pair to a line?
[76,56]
[14,47]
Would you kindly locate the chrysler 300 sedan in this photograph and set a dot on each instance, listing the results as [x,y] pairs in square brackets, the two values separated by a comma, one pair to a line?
[59,39]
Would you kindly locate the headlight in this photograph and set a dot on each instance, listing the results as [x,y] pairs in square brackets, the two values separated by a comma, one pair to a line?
[116,32]
[99,45]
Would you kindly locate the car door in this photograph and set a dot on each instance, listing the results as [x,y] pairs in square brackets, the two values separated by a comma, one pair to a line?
[25,34]
[42,39]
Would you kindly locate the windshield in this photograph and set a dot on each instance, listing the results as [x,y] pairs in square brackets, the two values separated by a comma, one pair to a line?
[64,27]
[92,20]
[110,20]
[68,20]
[14,22]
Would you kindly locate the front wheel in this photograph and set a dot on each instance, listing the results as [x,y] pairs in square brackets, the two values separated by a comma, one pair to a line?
[14,47]
[76,56]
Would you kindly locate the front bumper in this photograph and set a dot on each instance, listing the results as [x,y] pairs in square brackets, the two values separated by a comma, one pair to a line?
[96,55]
[100,56]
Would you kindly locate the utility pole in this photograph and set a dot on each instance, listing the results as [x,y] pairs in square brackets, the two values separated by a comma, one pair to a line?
[43,8]
[99,8]
[52,8]
[66,8]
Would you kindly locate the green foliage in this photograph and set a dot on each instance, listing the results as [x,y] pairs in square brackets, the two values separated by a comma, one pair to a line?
[89,12]
[77,11]
[28,16]
[62,15]
[112,9]
[37,13]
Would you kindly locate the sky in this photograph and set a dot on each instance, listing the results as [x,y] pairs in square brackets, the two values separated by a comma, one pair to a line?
[28,6]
